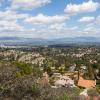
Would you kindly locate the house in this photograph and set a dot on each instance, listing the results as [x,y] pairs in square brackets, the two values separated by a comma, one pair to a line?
[73,74]
[56,75]
[86,83]
[65,81]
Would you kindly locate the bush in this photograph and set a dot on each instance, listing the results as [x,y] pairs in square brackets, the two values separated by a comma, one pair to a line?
[24,68]
[98,87]
[93,92]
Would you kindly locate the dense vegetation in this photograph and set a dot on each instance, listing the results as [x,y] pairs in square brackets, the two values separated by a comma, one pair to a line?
[22,81]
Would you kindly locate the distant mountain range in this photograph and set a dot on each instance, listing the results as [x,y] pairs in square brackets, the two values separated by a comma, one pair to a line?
[39,41]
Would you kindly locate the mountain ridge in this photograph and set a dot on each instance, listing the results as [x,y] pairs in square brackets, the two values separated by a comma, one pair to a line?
[40,41]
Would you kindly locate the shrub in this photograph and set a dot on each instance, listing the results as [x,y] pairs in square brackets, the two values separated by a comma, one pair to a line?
[24,68]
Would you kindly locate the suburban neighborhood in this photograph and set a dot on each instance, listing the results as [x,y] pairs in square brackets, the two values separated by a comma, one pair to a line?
[57,68]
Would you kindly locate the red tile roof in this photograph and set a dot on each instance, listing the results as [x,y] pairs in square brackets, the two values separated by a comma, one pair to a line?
[86,83]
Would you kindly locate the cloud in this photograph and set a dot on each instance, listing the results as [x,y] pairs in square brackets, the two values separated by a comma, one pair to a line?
[9,26]
[44,19]
[28,4]
[11,15]
[8,21]
[94,31]
[89,6]
[98,20]
[17,23]
[58,30]
[87,19]
[91,21]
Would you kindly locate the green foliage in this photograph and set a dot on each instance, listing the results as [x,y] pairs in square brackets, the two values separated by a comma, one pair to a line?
[24,87]
[35,86]
[18,74]
[98,87]
[1,89]
[24,69]
[47,68]
[64,97]
[62,68]
[51,80]
[36,71]
[92,92]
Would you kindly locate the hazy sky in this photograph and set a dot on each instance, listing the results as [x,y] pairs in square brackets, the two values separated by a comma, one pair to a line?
[49,18]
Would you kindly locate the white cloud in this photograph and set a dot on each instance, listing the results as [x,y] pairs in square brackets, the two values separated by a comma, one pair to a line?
[58,30]
[92,30]
[44,19]
[28,4]
[98,20]
[45,26]
[9,26]
[11,15]
[87,19]
[89,6]
[57,26]
[8,21]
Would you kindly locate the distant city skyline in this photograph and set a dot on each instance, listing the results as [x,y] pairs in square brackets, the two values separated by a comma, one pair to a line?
[49,19]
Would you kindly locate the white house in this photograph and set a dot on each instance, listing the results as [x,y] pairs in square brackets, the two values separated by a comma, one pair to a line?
[65,81]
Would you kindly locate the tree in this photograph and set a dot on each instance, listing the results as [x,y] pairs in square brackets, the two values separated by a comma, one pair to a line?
[47,68]
[62,68]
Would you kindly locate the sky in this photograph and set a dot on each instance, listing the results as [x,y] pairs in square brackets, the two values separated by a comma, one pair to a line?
[49,19]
